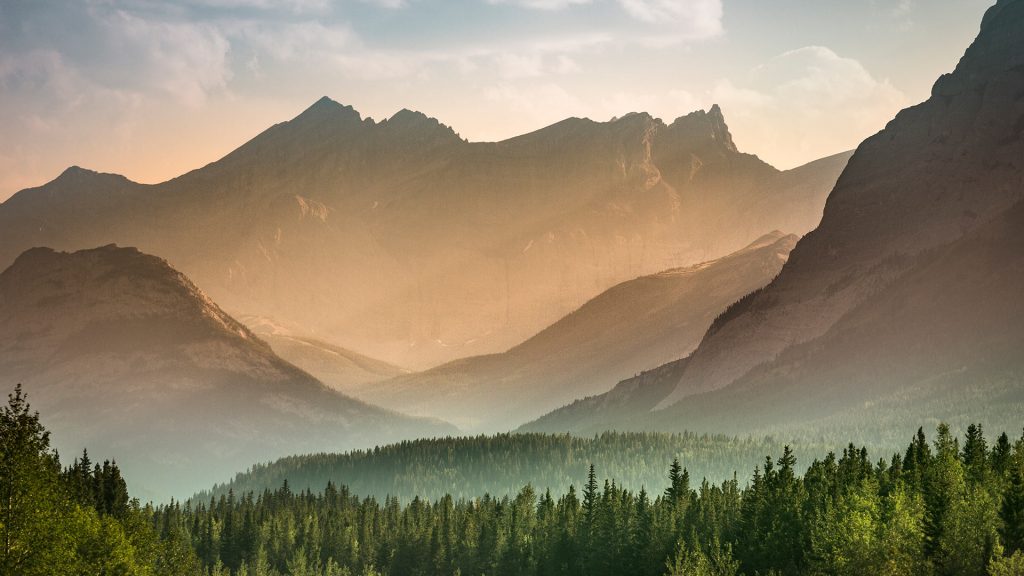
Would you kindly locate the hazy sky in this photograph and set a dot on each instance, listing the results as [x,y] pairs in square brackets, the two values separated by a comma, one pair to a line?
[151,89]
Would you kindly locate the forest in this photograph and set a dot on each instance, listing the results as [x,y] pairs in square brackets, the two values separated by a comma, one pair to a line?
[502,464]
[942,507]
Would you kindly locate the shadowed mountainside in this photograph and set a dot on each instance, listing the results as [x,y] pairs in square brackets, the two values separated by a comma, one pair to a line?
[643,322]
[125,355]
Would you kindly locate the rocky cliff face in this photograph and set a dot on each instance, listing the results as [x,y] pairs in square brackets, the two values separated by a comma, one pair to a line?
[121,352]
[908,279]
[404,242]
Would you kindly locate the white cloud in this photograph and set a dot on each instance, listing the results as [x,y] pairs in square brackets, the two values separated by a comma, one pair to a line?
[389,4]
[542,4]
[692,18]
[183,59]
[806,101]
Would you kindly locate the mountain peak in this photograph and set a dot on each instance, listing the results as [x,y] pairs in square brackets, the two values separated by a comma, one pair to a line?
[419,126]
[326,110]
[710,123]
[77,175]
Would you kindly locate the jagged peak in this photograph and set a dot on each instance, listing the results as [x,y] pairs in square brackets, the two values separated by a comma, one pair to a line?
[710,123]
[414,121]
[325,108]
[995,51]
[407,115]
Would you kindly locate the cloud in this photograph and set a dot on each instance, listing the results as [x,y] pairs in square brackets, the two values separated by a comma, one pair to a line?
[185,60]
[694,18]
[689,19]
[542,4]
[805,101]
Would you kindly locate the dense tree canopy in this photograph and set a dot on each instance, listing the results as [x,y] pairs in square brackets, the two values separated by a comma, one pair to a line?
[939,508]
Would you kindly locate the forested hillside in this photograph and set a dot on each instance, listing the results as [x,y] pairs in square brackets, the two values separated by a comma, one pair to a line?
[939,508]
[502,464]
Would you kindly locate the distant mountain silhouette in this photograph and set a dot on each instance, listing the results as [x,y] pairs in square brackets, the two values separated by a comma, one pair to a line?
[125,356]
[411,245]
[639,323]
[344,370]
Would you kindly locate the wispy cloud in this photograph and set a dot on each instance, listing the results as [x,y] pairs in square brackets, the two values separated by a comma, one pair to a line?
[806,100]
[542,4]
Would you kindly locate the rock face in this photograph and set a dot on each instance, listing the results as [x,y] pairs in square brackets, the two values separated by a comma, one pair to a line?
[643,322]
[122,353]
[907,296]
[404,242]
[937,172]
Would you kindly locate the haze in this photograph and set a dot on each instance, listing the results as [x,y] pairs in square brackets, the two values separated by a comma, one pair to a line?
[152,90]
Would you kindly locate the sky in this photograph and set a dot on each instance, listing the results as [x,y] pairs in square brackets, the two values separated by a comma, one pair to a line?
[151,89]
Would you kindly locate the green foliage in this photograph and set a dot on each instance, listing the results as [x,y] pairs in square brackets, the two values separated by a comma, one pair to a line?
[32,509]
[936,510]
[76,521]
[502,464]
[1007,566]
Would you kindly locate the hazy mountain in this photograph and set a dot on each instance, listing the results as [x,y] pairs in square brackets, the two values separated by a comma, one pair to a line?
[402,241]
[906,299]
[124,355]
[344,370]
[627,406]
[643,322]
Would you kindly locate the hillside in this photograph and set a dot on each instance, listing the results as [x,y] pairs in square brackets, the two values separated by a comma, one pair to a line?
[639,323]
[126,356]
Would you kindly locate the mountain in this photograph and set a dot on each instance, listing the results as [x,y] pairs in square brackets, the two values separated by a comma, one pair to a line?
[344,370]
[125,355]
[409,244]
[643,322]
[905,302]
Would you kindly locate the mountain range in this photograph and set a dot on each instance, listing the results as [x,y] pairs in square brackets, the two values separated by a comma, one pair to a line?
[903,306]
[126,356]
[403,242]
[634,325]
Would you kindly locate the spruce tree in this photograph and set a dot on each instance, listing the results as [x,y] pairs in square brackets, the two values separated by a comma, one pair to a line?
[1012,513]
[34,538]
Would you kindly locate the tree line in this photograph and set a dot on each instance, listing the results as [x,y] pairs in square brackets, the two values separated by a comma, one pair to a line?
[465,467]
[941,507]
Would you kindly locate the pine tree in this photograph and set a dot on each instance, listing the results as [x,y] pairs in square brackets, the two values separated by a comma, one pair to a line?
[975,456]
[33,513]
[1012,513]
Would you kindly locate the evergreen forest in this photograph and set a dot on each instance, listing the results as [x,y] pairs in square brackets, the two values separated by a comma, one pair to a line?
[944,506]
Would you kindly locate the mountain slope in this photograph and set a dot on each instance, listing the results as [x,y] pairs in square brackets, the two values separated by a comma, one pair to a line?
[643,322]
[342,369]
[905,300]
[126,356]
[414,246]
